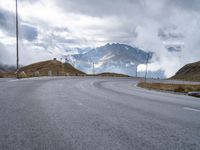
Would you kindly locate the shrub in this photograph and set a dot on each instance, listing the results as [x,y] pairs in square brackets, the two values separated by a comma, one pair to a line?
[179,89]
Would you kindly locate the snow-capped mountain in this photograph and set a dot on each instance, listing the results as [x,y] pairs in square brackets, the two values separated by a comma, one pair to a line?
[118,58]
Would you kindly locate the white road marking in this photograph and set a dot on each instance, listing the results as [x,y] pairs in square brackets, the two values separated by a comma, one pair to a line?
[21,79]
[34,78]
[13,80]
[79,103]
[191,109]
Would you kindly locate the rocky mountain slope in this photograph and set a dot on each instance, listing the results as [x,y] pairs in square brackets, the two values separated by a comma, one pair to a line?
[118,58]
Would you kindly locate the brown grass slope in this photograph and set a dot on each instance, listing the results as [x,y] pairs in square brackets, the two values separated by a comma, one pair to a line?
[109,74]
[56,67]
[7,74]
[183,88]
[190,72]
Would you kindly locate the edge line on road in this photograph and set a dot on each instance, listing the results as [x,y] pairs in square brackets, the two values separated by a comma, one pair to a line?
[191,109]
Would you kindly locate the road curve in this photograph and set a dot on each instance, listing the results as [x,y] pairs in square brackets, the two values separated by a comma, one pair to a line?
[93,113]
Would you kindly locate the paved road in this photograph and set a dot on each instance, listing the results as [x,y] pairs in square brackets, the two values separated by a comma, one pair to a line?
[92,113]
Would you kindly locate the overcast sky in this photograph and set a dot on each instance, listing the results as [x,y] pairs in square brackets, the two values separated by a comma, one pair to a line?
[48,27]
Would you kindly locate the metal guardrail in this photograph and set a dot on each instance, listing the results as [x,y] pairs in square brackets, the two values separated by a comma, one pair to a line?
[194,94]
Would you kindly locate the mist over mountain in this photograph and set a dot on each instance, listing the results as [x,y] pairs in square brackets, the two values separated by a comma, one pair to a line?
[7,68]
[74,51]
[169,28]
[117,58]
[114,58]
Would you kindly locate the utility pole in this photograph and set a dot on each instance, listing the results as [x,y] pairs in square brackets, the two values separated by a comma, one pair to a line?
[145,78]
[136,70]
[17,40]
[93,68]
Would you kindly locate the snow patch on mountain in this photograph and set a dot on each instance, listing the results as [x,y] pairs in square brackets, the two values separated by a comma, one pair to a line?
[117,58]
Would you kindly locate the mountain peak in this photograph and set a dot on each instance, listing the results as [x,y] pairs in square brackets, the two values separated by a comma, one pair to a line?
[115,57]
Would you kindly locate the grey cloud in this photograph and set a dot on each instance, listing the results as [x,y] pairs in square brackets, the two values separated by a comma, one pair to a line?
[55,39]
[193,5]
[174,49]
[158,13]
[30,1]
[6,56]
[57,36]
[64,40]
[137,10]
[29,33]
[62,29]
[8,26]
[170,33]
[100,7]
[7,22]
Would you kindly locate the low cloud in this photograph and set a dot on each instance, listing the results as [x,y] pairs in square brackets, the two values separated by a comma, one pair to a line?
[29,33]
[7,22]
[169,28]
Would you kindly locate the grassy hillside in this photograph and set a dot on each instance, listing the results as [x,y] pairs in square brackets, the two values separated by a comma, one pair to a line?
[108,74]
[45,68]
[53,67]
[7,74]
[190,72]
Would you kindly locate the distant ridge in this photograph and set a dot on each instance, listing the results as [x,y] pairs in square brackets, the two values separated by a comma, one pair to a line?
[7,68]
[190,72]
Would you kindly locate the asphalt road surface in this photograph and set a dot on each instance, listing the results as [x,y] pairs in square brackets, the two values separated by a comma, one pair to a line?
[90,113]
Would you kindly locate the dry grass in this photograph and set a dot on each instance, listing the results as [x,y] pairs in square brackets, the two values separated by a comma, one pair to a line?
[7,75]
[190,72]
[57,68]
[108,74]
[182,88]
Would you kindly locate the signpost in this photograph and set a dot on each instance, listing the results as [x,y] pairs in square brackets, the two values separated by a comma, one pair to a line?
[145,78]
[17,40]
[93,68]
